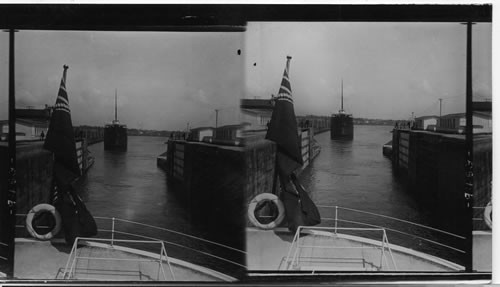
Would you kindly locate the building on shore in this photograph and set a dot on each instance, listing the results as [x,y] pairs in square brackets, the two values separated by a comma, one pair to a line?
[201,134]
[426,122]
[230,134]
[257,112]
[455,123]
[30,124]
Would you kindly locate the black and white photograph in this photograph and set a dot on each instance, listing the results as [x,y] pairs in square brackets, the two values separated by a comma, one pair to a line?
[240,143]
[359,135]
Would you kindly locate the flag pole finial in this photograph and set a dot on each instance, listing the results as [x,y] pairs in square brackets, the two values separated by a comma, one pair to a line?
[63,80]
[289,57]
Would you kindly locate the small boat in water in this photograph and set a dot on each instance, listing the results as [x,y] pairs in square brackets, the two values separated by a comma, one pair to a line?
[115,134]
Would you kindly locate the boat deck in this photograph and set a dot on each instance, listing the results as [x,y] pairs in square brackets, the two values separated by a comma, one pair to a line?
[46,260]
[268,250]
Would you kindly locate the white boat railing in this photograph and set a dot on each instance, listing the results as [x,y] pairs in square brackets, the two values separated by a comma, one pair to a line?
[337,220]
[114,232]
[297,260]
[70,270]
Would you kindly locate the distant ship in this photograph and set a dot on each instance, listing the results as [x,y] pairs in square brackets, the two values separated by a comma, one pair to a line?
[341,124]
[115,134]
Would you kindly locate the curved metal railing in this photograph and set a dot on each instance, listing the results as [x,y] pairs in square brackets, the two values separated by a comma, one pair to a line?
[337,219]
[294,259]
[72,271]
[113,231]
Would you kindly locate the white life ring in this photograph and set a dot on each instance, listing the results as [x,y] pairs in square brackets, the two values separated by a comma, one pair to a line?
[260,198]
[43,207]
[488,214]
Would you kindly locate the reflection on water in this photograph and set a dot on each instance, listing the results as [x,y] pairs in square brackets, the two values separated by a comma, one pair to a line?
[128,185]
[355,174]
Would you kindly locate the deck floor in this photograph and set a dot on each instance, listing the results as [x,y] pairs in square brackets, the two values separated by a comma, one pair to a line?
[42,260]
[268,250]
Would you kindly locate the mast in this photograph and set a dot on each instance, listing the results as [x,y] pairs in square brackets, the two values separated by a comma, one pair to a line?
[342,94]
[341,111]
[116,112]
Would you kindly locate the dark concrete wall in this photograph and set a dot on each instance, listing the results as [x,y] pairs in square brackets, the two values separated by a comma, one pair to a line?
[215,179]
[33,181]
[212,190]
[436,174]
[260,165]
[34,176]
[4,209]
[212,185]
[34,173]
[225,178]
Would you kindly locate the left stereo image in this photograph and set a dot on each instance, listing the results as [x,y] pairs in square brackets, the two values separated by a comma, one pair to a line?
[119,155]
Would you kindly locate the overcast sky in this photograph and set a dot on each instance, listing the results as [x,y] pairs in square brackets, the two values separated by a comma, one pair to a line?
[389,70]
[164,79]
[167,79]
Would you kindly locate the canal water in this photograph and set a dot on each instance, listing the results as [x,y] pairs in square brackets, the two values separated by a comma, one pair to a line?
[129,186]
[350,174]
[356,175]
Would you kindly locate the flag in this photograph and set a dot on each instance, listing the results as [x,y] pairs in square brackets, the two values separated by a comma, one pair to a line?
[299,208]
[60,139]
[283,126]
[77,221]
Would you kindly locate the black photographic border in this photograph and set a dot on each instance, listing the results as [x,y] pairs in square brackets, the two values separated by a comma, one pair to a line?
[233,18]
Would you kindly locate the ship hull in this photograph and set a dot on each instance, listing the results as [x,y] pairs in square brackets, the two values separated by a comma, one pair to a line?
[341,127]
[115,138]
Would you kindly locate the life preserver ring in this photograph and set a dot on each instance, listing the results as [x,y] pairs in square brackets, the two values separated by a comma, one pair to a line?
[259,199]
[37,209]
[488,214]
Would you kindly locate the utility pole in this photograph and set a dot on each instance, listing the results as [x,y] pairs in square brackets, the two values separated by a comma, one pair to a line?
[440,102]
[216,117]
